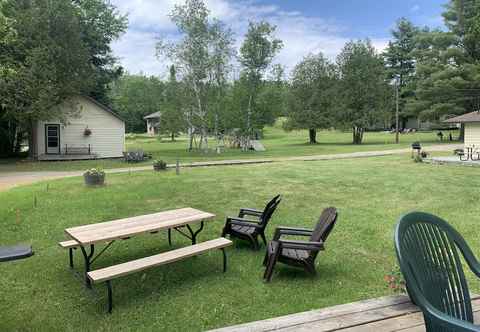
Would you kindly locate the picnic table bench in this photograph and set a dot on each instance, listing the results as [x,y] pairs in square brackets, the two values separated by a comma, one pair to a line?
[107,274]
[87,236]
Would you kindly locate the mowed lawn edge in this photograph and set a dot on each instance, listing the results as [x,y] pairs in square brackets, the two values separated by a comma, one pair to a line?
[278,144]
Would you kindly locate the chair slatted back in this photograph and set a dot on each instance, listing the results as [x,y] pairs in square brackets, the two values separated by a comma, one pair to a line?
[324,227]
[269,204]
[427,250]
[269,210]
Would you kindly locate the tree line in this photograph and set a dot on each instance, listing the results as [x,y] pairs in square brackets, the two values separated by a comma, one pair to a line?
[437,73]
[53,49]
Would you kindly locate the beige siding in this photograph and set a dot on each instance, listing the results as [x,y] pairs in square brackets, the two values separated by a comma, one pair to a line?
[108,132]
[472,134]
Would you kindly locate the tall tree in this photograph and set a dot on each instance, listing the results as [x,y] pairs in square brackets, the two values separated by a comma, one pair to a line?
[448,64]
[256,54]
[362,78]
[101,24]
[172,119]
[400,60]
[201,57]
[312,91]
[49,60]
[8,126]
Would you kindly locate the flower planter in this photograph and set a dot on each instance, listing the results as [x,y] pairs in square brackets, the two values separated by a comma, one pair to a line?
[94,180]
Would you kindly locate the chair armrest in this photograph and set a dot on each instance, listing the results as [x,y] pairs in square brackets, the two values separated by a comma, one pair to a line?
[250,212]
[279,231]
[242,222]
[305,245]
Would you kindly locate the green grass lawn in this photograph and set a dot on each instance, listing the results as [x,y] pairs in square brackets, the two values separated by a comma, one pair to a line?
[277,142]
[41,293]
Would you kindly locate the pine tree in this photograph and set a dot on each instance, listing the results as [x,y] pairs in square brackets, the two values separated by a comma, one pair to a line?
[448,64]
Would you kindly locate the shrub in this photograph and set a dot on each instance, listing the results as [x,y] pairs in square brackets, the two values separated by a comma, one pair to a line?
[424,154]
[94,172]
[159,165]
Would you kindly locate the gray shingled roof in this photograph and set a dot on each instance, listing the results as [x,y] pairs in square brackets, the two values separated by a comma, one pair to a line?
[155,115]
[469,117]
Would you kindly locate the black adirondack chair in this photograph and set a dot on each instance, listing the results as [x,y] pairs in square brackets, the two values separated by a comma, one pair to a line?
[428,251]
[248,229]
[299,253]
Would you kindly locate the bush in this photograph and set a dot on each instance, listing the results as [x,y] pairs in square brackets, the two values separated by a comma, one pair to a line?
[159,165]
[424,154]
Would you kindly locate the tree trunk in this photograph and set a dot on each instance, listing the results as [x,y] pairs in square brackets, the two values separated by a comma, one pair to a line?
[173,136]
[357,135]
[312,133]
[32,141]
[461,136]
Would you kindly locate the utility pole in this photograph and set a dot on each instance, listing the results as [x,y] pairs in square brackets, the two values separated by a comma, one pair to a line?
[397,79]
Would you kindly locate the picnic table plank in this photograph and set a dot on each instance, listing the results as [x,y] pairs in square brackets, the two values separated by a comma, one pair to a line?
[111,230]
[122,269]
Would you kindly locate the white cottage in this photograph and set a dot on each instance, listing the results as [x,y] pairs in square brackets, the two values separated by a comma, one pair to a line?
[94,132]
[471,122]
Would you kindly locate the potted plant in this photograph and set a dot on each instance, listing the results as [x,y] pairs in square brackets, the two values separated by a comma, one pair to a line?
[159,165]
[94,177]
[87,132]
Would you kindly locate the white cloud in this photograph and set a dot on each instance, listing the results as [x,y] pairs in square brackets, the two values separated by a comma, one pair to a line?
[415,8]
[301,35]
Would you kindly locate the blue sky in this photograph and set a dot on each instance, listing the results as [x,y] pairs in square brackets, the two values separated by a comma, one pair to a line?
[304,26]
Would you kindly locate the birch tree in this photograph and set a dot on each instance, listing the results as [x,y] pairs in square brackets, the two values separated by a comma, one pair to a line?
[202,57]
[256,54]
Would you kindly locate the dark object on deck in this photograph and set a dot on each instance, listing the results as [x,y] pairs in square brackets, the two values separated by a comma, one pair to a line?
[15,252]
[248,229]
[428,253]
[299,253]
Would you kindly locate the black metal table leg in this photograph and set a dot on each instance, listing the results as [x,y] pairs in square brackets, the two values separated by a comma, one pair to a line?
[110,297]
[224,260]
[170,237]
[194,234]
[70,256]
[87,258]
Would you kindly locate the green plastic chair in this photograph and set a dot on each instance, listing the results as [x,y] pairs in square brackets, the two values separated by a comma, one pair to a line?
[428,253]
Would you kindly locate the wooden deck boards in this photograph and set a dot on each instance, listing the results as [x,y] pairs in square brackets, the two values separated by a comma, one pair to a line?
[391,313]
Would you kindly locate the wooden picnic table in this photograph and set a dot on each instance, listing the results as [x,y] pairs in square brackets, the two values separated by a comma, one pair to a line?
[110,231]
